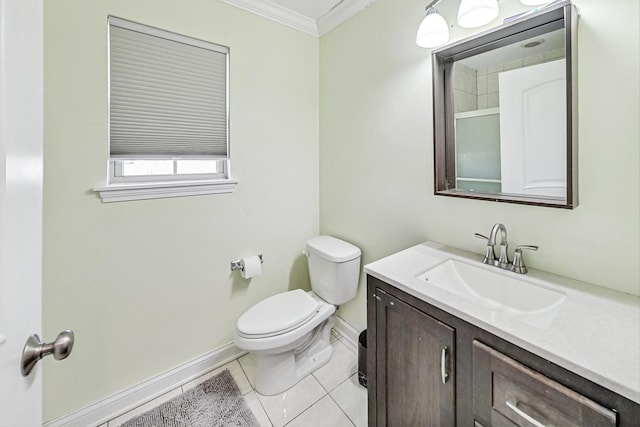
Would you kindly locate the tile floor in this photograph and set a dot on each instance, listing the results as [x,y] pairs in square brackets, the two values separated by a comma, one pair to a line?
[331,396]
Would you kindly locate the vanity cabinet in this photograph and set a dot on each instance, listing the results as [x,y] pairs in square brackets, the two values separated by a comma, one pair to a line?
[426,367]
[510,394]
[407,337]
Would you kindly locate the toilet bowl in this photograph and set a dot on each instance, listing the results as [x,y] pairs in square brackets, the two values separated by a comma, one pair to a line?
[290,332]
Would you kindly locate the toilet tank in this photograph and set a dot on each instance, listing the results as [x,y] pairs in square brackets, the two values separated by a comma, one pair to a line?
[334,269]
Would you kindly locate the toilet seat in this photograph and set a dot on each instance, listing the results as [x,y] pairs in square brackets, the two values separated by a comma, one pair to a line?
[282,341]
[278,314]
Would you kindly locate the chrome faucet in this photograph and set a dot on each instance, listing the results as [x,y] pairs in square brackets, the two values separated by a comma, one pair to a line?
[490,255]
[503,260]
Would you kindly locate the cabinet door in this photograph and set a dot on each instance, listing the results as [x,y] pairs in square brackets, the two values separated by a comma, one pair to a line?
[507,393]
[414,365]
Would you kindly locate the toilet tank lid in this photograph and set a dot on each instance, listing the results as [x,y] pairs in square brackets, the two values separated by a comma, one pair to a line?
[333,249]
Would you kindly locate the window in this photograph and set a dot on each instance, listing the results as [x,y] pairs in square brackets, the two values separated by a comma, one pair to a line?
[168,114]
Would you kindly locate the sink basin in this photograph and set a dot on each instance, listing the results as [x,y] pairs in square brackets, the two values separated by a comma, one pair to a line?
[499,291]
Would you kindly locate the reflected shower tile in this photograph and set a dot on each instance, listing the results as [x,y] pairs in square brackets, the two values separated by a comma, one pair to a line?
[482,102]
[553,55]
[493,100]
[492,83]
[513,65]
[482,85]
[532,60]
[495,69]
[471,101]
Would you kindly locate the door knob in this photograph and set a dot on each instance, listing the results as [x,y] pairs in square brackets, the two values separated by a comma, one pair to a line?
[34,350]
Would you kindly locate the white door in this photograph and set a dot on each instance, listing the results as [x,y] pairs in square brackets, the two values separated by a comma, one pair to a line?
[533,135]
[20,205]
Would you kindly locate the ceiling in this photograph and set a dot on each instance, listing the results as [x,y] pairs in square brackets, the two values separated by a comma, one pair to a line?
[315,17]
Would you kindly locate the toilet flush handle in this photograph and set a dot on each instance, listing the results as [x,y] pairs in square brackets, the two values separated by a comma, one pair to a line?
[305,253]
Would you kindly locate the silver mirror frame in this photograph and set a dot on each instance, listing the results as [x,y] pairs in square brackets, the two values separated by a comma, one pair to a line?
[559,16]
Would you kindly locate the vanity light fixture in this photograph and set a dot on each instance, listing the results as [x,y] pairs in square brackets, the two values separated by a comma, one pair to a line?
[433,30]
[533,2]
[476,13]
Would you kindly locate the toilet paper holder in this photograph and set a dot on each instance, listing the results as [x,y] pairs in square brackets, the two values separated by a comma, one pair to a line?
[239,264]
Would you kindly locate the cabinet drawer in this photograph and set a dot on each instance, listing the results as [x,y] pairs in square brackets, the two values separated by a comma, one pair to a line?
[507,393]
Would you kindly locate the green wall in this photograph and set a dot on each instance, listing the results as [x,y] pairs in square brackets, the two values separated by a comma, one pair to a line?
[332,136]
[376,149]
[146,285]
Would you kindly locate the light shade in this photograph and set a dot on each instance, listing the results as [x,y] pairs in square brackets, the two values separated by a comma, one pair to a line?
[476,13]
[533,2]
[433,30]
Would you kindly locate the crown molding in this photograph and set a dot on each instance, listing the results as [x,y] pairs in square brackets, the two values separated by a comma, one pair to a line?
[277,13]
[317,28]
[344,11]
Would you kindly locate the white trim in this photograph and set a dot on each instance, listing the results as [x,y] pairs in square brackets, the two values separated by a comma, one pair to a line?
[492,181]
[345,10]
[477,113]
[160,190]
[348,331]
[277,13]
[340,14]
[107,409]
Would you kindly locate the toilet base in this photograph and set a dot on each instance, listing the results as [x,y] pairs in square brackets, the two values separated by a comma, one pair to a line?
[276,373]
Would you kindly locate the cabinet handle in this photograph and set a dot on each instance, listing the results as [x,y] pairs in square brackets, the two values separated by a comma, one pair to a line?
[513,405]
[443,365]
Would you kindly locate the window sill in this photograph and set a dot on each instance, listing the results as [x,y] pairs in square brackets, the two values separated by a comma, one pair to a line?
[161,190]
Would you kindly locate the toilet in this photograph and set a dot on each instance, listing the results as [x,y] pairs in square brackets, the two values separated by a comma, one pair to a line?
[290,332]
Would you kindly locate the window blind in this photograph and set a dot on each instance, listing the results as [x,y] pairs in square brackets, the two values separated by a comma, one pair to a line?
[168,94]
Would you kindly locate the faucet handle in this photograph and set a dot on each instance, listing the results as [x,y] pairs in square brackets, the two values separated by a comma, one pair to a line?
[518,263]
[489,255]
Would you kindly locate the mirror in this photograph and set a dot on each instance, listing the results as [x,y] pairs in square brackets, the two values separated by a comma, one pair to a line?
[505,112]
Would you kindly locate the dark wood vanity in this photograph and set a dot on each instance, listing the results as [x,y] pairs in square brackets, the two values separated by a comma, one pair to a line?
[427,367]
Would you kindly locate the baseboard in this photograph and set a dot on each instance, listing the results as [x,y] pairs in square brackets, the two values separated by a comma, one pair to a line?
[348,331]
[111,407]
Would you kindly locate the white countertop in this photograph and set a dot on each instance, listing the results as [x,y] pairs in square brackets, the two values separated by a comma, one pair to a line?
[596,333]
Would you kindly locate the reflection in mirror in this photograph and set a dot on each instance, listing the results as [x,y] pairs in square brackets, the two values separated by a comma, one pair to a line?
[506,134]
[528,79]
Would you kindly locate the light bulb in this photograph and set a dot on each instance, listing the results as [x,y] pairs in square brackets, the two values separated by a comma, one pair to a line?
[433,30]
[476,13]
[533,2]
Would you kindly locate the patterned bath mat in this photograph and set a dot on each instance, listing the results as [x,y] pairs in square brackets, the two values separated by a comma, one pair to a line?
[215,402]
